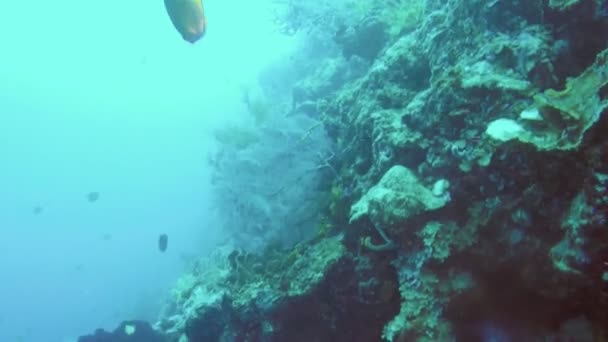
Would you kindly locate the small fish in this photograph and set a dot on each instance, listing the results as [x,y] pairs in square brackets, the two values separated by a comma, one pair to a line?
[163,240]
[188,18]
[37,210]
[93,196]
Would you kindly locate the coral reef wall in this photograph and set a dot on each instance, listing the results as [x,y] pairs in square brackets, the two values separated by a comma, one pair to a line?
[466,197]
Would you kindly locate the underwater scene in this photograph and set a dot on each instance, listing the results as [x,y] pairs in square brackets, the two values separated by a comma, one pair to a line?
[304,171]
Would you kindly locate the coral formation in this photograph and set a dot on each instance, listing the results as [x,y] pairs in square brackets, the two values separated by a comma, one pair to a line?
[464,197]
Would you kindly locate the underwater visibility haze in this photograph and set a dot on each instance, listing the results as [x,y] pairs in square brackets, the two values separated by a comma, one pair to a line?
[296,171]
[106,100]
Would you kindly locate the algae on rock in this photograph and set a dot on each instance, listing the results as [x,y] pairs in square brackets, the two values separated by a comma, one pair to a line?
[566,114]
[577,107]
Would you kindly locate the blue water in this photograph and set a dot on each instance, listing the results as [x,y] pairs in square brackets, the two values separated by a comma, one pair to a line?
[105,96]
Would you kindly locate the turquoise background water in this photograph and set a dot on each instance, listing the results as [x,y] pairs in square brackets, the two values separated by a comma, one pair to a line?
[106,96]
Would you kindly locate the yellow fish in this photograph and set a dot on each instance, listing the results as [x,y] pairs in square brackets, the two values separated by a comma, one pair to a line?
[188,18]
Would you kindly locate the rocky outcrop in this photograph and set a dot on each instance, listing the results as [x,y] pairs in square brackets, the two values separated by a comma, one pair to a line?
[469,200]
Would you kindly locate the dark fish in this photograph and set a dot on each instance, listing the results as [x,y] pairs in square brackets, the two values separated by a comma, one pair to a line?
[163,240]
[93,196]
[37,210]
[107,237]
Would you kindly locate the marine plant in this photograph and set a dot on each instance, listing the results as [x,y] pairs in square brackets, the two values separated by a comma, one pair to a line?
[267,179]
